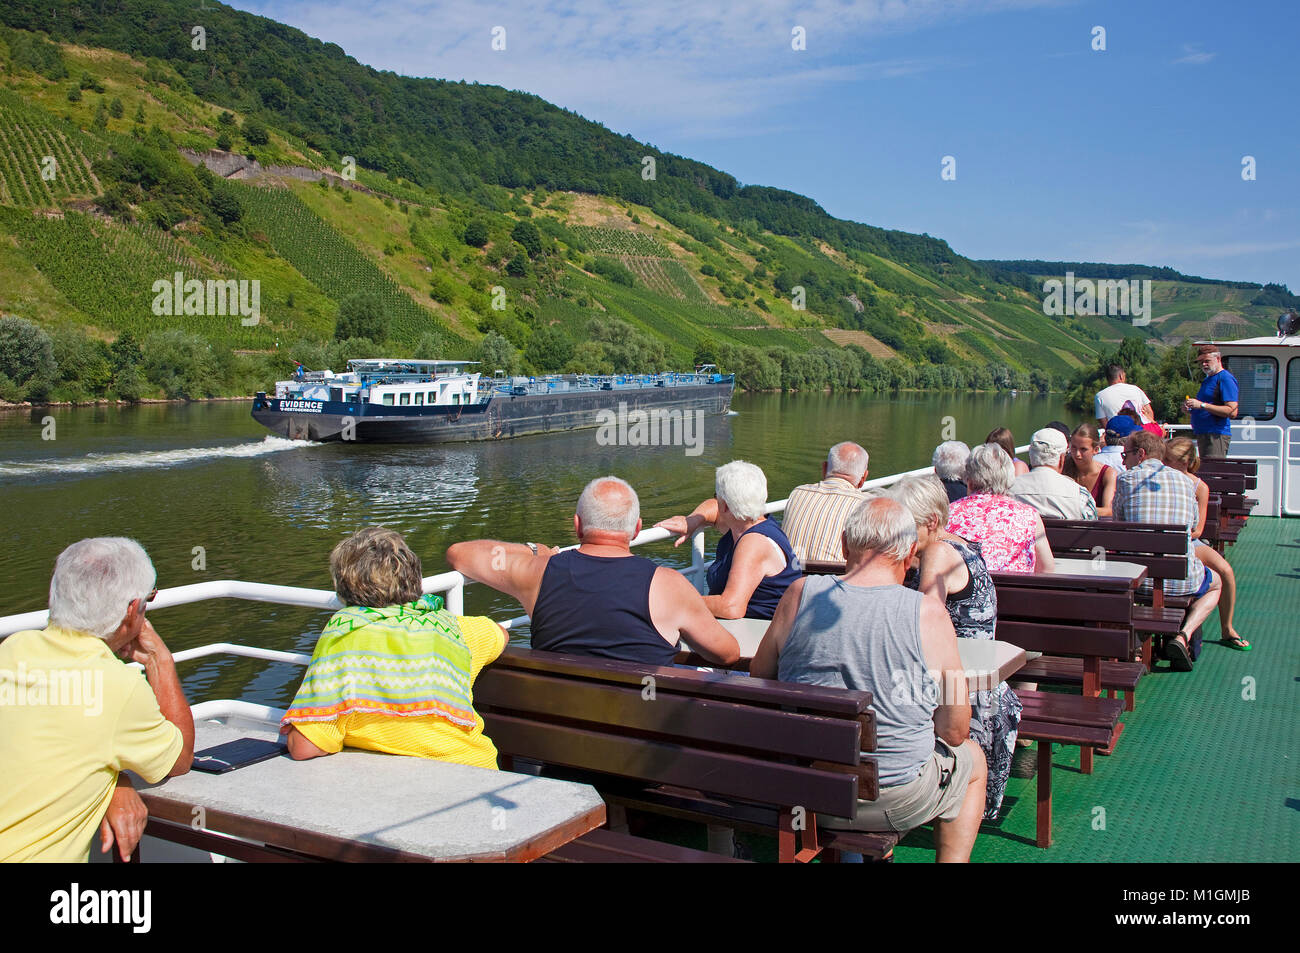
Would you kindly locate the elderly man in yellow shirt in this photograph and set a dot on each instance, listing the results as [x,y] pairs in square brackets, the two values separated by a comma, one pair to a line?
[73,715]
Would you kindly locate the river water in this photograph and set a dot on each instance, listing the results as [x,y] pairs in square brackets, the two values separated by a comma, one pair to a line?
[211,496]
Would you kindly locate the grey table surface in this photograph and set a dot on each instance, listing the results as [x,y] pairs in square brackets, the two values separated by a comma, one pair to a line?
[433,809]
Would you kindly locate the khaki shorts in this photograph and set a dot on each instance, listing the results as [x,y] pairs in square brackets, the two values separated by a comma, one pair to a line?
[905,806]
[1213,444]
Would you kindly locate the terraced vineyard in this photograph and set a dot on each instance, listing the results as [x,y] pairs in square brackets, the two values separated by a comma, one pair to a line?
[666,277]
[331,262]
[28,140]
[108,270]
[618,241]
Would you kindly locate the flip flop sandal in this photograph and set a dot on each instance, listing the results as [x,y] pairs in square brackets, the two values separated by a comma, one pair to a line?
[1241,645]
[1180,659]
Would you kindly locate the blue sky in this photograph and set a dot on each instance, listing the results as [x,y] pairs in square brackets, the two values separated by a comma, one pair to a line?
[1063,152]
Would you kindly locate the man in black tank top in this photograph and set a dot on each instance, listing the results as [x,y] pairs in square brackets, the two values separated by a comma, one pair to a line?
[599,599]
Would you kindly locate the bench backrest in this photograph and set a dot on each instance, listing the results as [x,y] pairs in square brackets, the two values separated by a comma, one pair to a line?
[1161,547]
[1247,468]
[1080,616]
[750,739]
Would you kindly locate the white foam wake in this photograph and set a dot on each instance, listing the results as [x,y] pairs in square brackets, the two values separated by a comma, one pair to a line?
[136,460]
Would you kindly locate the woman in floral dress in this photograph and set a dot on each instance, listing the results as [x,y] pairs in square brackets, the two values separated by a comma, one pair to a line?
[1010,533]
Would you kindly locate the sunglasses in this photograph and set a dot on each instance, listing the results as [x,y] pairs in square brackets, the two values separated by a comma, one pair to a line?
[143,604]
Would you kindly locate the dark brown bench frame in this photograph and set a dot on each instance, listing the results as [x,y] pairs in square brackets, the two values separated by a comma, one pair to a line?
[751,753]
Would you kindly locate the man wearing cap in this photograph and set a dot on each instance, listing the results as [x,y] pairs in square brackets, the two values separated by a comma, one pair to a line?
[1117,430]
[1045,488]
[1214,405]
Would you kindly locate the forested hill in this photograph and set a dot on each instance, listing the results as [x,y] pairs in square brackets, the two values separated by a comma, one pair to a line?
[391,216]
[452,136]
[1269,295]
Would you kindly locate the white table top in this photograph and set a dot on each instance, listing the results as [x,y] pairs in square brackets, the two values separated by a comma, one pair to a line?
[432,809]
[1100,568]
[987,662]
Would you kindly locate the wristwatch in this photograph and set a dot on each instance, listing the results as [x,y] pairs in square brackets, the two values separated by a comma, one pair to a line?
[533,547]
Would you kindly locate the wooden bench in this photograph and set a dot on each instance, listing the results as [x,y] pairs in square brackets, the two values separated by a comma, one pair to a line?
[749,753]
[1234,506]
[1161,547]
[1086,618]
[1239,505]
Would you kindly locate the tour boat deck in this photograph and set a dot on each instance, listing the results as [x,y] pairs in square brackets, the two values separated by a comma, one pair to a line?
[1203,772]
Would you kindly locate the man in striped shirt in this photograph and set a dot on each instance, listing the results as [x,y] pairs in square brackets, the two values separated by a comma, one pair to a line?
[815,514]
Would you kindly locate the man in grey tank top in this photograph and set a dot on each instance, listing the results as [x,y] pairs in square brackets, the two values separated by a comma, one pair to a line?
[865,631]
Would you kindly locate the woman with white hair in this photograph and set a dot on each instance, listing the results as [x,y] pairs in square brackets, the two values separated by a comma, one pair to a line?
[754,563]
[1010,533]
[953,570]
[949,462]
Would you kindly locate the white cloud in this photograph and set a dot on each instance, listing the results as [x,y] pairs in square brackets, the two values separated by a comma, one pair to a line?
[675,65]
[1194,56]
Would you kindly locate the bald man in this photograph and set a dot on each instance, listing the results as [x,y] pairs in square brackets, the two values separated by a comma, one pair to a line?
[815,513]
[599,599]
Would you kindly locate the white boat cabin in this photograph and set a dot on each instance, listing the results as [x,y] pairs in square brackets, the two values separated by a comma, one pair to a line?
[388,383]
[1267,426]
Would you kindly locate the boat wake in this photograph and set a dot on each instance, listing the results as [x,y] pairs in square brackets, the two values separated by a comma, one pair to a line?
[136,460]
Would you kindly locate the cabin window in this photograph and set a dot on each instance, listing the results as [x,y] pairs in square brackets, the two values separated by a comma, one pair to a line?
[1293,389]
[1257,379]
[405,399]
[419,398]
[455,398]
[388,400]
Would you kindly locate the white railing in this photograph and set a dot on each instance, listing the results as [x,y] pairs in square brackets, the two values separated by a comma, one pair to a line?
[451,584]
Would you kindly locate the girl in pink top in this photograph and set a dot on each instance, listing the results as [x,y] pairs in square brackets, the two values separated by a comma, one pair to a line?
[1010,533]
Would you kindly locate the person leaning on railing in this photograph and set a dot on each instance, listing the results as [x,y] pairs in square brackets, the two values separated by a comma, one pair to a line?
[73,716]
[600,599]
[754,563]
[394,671]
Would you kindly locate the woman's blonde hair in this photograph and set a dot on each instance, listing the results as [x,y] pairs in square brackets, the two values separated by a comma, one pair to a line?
[374,567]
[1181,453]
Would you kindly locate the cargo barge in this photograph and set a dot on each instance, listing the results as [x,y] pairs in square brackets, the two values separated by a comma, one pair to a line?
[409,401]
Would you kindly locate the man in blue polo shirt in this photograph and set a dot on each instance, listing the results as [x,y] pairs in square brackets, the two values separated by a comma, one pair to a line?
[1214,405]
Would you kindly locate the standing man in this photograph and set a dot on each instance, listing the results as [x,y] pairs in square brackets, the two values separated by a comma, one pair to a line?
[1214,405]
[1110,400]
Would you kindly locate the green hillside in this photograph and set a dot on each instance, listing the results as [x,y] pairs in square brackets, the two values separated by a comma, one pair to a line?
[479,222]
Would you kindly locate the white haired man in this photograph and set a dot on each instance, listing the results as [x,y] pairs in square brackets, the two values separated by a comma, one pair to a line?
[815,513]
[865,631]
[754,563]
[73,716]
[1045,487]
[949,462]
[599,599]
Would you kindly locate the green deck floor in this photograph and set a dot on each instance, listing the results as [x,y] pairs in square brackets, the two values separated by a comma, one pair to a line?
[1202,772]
